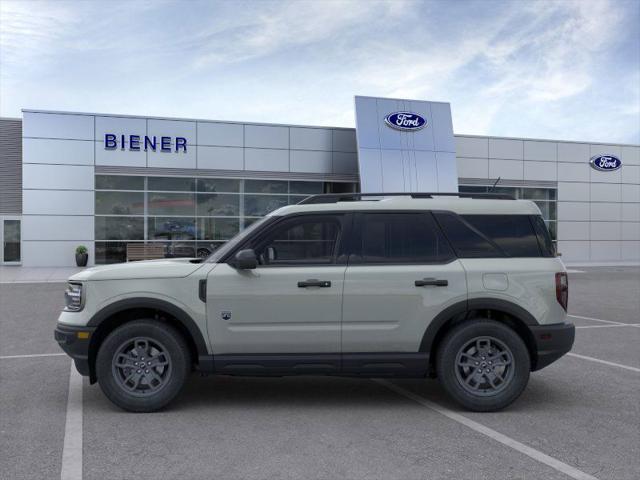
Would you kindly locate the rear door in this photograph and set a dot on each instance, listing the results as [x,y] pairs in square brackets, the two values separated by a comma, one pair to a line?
[401,274]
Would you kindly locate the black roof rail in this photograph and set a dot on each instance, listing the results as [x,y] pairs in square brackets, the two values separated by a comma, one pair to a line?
[352,197]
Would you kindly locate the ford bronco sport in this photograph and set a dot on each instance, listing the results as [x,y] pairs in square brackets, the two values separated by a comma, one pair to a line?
[463,287]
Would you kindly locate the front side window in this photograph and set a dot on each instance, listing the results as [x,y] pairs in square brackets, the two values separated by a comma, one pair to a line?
[308,240]
[401,238]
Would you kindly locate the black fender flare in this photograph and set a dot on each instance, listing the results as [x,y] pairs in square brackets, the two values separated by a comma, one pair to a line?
[155,304]
[464,307]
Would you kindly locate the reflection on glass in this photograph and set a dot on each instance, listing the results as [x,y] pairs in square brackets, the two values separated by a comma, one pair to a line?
[217,228]
[168,228]
[119,228]
[11,249]
[171,203]
[259,205]
[110,252]
[120,203]
[119,182]
[210,204]
[266,186]
[178,184]
[308,188]
[212,185]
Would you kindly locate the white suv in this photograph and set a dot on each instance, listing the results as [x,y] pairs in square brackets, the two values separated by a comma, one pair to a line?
[389,285]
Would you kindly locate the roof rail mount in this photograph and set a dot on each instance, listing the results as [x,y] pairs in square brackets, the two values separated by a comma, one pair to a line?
[352,197]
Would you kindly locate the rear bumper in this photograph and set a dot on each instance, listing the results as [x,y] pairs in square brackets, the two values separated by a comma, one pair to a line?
[552,342]
[75,346]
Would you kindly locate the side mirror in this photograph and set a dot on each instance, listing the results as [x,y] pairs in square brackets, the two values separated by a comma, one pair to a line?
[245,260]
[272,255]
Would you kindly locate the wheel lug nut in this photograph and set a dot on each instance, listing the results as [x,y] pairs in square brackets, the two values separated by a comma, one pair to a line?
[477,363]
[146,371]
[135,363]
[139,371]
[487,370]
[479,370]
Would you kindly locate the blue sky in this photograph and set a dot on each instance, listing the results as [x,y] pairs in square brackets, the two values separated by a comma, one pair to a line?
[543,69]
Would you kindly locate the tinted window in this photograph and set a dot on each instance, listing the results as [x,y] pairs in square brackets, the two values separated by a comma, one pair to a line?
[401,238]
[544,239]
[514,234]
[304,240]
[465,241]
[119,182]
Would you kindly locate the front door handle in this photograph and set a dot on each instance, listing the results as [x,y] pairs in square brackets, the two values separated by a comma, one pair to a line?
[426,282]
[314,283]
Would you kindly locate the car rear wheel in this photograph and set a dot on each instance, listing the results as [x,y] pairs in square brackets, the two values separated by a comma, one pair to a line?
[142,365]
[483,365]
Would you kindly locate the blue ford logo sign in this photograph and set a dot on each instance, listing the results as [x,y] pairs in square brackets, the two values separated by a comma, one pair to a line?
[605,163]
[405,121]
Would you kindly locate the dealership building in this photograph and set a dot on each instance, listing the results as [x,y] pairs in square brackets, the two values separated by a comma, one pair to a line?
[181,187]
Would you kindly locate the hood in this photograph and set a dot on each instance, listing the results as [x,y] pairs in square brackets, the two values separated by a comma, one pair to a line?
[164,268]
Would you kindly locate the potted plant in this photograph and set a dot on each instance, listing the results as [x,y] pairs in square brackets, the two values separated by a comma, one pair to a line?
[82,256]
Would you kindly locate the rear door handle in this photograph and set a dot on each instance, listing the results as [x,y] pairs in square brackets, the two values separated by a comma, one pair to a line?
[427,282]
[314,283]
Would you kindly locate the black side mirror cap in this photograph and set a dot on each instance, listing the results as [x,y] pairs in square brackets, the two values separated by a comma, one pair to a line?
[245,260]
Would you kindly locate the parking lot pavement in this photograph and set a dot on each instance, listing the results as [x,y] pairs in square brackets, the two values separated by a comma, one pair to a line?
[579,413]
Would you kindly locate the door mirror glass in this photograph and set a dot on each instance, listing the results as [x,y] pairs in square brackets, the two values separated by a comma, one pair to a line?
[271,254]
[245,260]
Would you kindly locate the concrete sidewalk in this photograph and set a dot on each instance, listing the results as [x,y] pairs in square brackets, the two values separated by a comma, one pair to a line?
[17,274]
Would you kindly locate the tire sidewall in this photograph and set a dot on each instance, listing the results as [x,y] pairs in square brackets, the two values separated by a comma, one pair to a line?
[462,334]
[176,347]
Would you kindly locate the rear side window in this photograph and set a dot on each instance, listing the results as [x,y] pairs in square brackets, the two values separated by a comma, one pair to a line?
[400,238]
[466,241]
[513,234]
[544,238]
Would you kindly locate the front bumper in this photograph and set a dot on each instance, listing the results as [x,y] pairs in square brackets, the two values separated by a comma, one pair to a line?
[75,343]
[552,342]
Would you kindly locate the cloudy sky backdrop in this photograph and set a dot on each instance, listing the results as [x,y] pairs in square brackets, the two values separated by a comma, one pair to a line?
[544,69]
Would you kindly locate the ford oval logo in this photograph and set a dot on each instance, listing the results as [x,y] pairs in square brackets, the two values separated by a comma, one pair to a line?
[405,121]
[605,163]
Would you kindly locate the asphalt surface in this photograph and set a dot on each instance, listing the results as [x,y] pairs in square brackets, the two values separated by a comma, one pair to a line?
[580,412]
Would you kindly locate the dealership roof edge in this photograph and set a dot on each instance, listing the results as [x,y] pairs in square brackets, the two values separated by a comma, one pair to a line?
[181,119]
[62,112]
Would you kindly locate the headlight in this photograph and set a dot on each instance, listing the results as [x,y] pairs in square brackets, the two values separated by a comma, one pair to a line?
[73,297]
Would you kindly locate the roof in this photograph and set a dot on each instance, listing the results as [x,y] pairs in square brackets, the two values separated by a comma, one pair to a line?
[453,204]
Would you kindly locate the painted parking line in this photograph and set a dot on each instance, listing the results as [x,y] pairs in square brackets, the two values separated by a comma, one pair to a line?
[597,320]
[604,362]
[493,434]
[72,447]
[610,326]
[33,355]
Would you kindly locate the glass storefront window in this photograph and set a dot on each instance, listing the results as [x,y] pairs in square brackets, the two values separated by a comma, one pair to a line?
[171,204]
[178,184]
[306,188]
[119,182]
[224,205]
[119,228]
[119,203]
[266,186]
[187,216]
[217,228]
[260,205]
[171,228]
[212,185]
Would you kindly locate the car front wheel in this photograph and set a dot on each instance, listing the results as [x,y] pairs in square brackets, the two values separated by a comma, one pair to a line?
[142,365]
[483,365]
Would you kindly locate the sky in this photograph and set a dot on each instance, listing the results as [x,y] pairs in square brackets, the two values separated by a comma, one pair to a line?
[560,69]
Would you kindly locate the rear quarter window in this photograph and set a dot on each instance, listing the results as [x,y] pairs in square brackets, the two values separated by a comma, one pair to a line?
[513,234]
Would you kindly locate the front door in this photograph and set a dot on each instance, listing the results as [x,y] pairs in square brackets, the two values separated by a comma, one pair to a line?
[291,303]
[401,274]
[10,234]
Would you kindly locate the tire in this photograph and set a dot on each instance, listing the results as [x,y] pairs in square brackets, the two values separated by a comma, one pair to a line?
[483,365]
[152,385]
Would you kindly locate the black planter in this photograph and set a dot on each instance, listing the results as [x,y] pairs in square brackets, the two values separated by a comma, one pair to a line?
[81,259]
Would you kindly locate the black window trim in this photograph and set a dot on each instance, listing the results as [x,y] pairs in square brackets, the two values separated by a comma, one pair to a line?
[357,235]
[343,218]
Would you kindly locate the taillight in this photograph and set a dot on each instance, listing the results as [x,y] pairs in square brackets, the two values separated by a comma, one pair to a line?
[562,289]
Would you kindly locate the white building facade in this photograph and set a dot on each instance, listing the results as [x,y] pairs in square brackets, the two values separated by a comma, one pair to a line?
[108,181]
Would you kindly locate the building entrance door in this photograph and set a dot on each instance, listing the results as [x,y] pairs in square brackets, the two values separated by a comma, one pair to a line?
[10,233]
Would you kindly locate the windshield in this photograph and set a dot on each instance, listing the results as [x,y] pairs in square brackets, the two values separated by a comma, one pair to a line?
[234,241]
